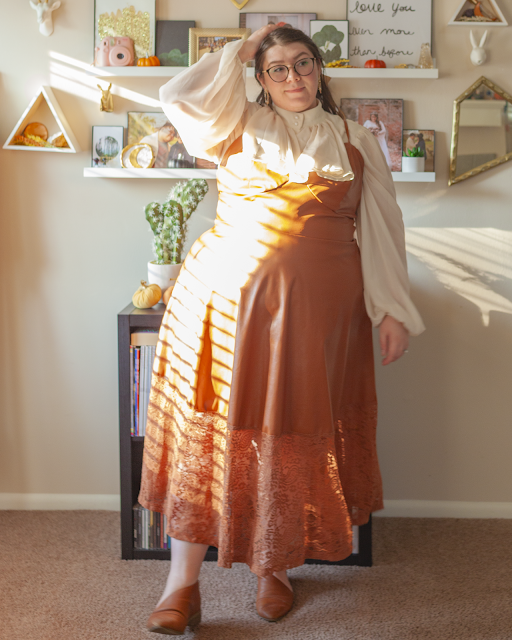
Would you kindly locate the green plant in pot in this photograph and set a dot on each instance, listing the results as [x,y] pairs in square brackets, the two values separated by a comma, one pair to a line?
[413,160]
[168,222]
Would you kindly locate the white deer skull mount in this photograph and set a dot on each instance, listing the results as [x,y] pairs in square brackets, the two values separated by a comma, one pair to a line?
[44,15]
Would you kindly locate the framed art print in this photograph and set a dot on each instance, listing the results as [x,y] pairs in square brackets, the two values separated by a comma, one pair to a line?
[425,140]
[107,144]
[384,118]
[134,19]
[154,129]
[172,42]
[203,41]
[388,30]
[331,37]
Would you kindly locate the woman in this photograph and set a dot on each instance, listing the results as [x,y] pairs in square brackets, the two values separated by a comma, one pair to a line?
[261,427]
[376,126]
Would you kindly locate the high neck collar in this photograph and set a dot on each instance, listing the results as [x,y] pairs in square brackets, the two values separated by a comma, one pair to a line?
[298,121]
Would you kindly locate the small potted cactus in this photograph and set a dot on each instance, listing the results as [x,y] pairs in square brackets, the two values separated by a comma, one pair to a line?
[168,222]
[413,160]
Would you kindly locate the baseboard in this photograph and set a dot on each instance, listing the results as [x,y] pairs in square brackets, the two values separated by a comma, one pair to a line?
[444,509]
[392,508]
[59,501]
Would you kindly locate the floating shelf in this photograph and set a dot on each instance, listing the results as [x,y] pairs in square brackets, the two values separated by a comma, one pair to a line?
[169,72]
[422,176]
[46,104]
[172,174]
[383,74]
[210,174]
[149,72]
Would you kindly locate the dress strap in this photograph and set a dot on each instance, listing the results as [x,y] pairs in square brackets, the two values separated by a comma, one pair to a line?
[346,129]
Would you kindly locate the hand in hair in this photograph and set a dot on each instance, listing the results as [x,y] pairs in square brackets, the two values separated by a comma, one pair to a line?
[252,44]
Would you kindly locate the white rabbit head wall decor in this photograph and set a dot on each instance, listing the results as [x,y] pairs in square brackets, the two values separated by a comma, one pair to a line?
[44,15]
[478,55]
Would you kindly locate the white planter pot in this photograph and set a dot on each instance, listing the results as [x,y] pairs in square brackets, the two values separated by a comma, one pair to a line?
[164,275]
[413,165]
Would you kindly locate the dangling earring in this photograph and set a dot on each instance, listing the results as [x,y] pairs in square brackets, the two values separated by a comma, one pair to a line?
[320,84]
[267,98]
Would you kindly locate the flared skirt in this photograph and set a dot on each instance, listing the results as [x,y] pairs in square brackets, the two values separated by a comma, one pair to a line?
[260,437]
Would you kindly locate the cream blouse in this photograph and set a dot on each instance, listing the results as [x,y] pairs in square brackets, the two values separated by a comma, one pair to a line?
[207,103]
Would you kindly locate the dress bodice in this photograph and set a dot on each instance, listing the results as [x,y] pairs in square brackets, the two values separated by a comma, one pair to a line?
[319,208]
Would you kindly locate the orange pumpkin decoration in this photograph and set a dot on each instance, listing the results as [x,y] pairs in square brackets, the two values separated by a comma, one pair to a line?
[150,61]
[375,64]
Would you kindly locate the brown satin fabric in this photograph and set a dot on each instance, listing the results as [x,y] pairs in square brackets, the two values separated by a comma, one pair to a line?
[261,425]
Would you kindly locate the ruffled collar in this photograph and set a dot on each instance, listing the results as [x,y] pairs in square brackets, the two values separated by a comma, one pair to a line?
[270,137]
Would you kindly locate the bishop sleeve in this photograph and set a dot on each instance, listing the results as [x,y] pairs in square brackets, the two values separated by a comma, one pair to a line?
[381,239]
[206,103]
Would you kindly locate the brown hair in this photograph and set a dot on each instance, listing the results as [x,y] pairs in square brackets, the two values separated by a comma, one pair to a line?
[286,35]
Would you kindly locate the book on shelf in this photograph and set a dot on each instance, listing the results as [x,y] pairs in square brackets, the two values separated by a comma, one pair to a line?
[149,529]
[142,355]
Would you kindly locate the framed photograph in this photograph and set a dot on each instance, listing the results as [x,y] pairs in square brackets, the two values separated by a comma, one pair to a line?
[156,130]
[331,37]
[255,21]
[134,19]
[107,144]
[388,30]
[203,41]
[172,42]
[384,118]
[424,139]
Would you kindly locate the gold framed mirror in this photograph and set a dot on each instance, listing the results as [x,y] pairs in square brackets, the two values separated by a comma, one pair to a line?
[482,130]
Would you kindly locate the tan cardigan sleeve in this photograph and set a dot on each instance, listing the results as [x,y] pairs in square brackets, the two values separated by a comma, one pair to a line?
[380,235]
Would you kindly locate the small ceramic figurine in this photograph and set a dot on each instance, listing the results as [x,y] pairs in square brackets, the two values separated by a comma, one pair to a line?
[478,55]
[107,99]
[44,15]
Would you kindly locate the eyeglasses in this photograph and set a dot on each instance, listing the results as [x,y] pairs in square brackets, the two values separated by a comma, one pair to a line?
[280,72]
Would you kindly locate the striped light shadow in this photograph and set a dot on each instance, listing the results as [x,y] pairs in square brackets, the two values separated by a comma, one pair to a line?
[473,263]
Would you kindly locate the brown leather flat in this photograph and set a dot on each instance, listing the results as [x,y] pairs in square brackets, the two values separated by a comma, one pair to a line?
[274,600]
[179,610]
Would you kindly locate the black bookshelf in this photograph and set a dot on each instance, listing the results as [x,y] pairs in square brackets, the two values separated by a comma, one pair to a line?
[131,320]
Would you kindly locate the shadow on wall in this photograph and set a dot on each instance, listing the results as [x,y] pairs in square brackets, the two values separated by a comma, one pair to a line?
[475,263]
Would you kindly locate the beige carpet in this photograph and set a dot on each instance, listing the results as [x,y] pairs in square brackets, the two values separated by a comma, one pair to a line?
[61,579]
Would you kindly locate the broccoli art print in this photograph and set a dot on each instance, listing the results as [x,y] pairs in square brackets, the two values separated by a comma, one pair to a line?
[331,37]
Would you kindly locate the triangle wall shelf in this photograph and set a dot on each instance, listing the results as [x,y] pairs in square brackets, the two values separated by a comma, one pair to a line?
[45,107]
[487,6]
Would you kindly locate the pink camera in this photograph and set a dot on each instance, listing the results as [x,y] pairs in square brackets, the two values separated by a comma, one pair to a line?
[115,52]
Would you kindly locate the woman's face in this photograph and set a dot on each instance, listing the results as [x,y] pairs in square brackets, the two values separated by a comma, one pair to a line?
[374,117]
[296,93]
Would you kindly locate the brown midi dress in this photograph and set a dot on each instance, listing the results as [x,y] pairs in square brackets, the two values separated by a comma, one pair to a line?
[261,426]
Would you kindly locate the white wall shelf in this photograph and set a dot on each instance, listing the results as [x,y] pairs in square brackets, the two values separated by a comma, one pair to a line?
[169,72]
[210,174]
[185,174]
[422,176]
[54,120]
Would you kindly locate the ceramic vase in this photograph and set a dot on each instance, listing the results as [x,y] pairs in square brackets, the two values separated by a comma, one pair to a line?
[164,275]
[413,165]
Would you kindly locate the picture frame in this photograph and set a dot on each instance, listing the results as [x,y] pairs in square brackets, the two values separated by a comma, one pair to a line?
[202,41]
[107,146]
[424,138]
[154,129]
[331,37]
[172,42]
[384,118]
[388,31]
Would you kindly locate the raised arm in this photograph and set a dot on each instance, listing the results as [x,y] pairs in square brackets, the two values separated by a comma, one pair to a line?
[207,103]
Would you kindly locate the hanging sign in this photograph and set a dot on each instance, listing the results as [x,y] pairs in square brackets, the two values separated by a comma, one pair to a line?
[388,30]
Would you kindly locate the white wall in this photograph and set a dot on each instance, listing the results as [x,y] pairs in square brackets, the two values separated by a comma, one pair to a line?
[72,251]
